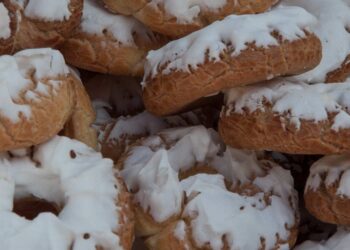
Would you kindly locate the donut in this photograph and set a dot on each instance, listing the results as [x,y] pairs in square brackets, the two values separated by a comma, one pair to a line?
[109,43]
[326,192]
[44,189]
[8,26]
[237,51]
[179,18]
[333,30]
[191,193]
[295,118]
[43,23]
[339,241]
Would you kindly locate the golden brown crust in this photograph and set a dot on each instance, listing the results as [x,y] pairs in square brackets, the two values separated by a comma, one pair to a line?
[269,131]
[48,116]
[79,125]
[166,94]
[155,16]
[6,45]
[340,74]
[36,33]
[104,54]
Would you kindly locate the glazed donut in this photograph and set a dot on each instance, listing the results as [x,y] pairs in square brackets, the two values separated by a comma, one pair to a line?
[326,193]
[237,51]
[44,23]
[333,30]
[339,241]
[288,117]
[190,194]
[109,43]
[36,97]
[179,18]
[8,26]
[67,176]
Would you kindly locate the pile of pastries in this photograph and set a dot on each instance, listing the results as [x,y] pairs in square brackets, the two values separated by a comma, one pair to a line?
[174,124]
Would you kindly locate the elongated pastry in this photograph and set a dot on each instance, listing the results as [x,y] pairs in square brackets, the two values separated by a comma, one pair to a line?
[109,43]
[237,51]
[8,26]
[43,23]
[288,117]
[333,30]
[190,193]
[63,195]
[181,17]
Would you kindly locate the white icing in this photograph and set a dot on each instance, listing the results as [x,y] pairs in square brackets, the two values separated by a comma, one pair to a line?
[187,10]
[295,101]
[336,168]
[151,169]
[86,181]
[339,241]
[97,20]
[212,40]
[5,30]
[15,79]
[333,21]
[47,10]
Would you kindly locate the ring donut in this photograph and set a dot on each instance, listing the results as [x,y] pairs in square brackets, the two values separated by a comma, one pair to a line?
[181,17]
[282,116]
[44,189]
[43,23]
[254,48]
[333,29]
[190,194]
[109,43]
[326,192]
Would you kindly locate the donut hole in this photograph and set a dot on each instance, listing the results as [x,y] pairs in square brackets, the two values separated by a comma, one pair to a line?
[31,207]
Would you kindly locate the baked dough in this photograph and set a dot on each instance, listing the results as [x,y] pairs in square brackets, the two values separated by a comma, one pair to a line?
[109,43]
[181,17]
[8,26]
[283,116]
[237,51]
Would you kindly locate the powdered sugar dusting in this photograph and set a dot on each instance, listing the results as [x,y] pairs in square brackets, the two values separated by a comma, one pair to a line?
[15,79]
[5,30]
[47,10]
[295,101]
[332,29]
[84,181]
[207,195]
[192,50]
[97,20]
[336,168]
[186,11]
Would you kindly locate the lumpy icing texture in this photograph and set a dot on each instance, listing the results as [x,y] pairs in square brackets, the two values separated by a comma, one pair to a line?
[334,169]
[72,176]
[97,20]
[339,241]
[332,27]
[212,207]
[211,41]
[5,31]
[47,10]
[186,11]
[16,82]
[295,101]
